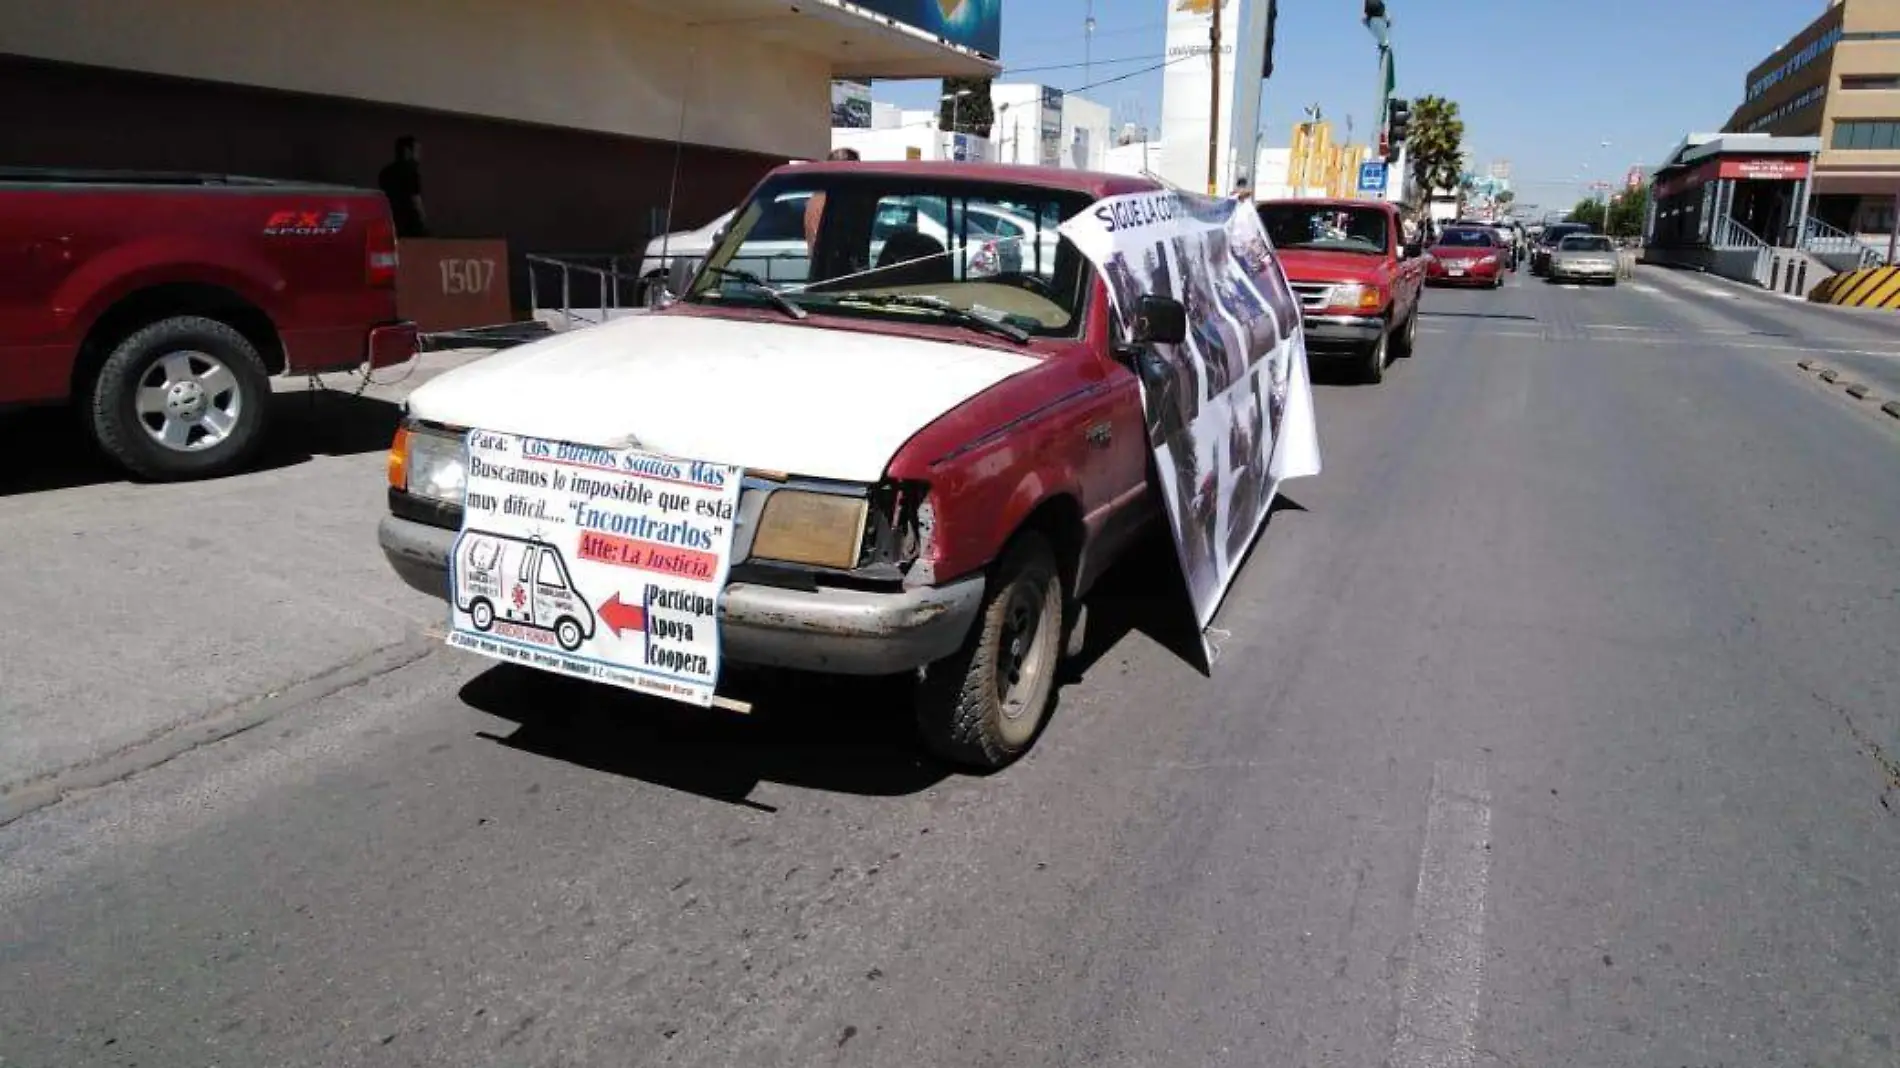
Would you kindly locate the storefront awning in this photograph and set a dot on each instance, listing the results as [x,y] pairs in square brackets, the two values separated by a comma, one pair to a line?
[856,40]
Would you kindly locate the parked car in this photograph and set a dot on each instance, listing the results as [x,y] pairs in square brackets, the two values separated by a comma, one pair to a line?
[159,305]
[1584,258]
[997,240]
[1466,255]
[958,458]
[1548,240]
[1357,281]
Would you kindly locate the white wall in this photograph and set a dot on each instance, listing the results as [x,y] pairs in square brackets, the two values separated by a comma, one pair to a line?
[1017,129]
[598,65]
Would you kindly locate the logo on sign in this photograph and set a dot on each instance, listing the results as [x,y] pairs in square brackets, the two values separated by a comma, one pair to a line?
[305,223]
[1371,177]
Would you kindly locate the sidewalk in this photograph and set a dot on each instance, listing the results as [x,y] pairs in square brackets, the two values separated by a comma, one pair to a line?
[154,617]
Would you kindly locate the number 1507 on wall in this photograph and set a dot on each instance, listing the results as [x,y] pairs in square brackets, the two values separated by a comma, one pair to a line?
[467,276]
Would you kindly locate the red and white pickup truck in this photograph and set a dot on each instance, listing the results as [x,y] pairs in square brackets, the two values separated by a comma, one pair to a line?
[160,304]
[1358,282]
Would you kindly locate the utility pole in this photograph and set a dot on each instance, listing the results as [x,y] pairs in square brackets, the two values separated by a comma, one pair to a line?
[1213,115]
[1088,44]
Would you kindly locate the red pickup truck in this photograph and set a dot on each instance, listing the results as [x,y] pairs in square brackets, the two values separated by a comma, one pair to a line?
[1358,282]
[159,304]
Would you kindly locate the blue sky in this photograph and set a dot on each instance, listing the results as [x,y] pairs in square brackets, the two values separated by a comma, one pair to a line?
[1540,83]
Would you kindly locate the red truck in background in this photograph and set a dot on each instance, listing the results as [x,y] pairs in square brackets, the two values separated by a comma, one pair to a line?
[1357,280]
[159,305]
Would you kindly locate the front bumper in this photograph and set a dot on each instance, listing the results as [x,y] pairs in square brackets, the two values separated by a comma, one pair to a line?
[1336,333]
[1583,270]
[831,629]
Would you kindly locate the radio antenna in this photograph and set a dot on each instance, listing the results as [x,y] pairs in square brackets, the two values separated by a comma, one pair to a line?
[679,148]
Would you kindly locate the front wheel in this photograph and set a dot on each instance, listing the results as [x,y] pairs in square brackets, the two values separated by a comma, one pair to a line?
[1407,340]
[982,706]
[568,633]
[1377,356]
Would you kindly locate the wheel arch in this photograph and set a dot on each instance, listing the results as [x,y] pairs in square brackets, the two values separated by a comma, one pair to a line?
[169,300]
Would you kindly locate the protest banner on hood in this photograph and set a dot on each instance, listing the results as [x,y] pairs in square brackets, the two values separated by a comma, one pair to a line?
[1235,416]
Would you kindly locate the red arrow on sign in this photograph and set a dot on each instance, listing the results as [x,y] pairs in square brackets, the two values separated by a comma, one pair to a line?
[620,616]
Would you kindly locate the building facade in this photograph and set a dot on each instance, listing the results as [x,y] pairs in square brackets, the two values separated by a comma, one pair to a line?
[564,126]
[1838,80]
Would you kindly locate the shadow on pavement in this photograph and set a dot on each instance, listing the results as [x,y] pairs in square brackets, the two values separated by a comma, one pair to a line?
[304,424]
[842,735]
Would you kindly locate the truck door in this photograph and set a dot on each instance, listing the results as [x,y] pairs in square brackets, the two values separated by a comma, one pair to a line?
[39,250]
[520,597]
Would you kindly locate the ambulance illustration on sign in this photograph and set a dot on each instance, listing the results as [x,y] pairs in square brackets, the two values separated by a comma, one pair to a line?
[504,579]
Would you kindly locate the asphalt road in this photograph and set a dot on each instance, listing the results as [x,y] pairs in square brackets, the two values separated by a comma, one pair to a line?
[1556,723]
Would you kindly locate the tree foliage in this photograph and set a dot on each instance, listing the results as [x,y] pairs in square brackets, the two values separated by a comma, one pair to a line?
[1588,212]
[972,114]
[1627,212]
[1435,143]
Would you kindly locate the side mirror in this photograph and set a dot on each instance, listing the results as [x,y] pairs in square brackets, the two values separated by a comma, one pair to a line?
[679,278]
[1159,321]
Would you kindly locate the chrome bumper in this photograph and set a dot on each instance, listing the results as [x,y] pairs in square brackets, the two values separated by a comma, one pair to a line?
[1341,331]
[831,630]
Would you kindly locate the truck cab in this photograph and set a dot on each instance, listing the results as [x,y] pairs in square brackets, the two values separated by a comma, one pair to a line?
[1357,280]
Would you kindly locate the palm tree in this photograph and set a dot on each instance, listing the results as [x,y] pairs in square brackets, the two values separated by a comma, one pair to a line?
[1435,143]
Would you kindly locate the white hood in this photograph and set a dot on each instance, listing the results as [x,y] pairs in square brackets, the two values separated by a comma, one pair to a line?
[799,399]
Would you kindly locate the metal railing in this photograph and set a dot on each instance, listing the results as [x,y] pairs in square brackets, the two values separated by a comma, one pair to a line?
[1825,240]
[1731,236]
[583,283]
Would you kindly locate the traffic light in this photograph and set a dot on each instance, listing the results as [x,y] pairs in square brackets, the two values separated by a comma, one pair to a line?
[1266,64]
[1375,9]
[1398,117]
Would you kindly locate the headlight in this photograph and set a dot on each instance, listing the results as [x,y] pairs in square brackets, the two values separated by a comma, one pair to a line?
[428,463]
[1488,260]
[820,529]
[1358,297]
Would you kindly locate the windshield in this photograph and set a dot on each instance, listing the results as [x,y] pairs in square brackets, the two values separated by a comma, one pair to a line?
[1585,243]
[1466,239]
[869,245]
[1556,234]
[1325,226]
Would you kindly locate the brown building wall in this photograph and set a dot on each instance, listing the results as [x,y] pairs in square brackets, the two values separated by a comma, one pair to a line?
[542,188]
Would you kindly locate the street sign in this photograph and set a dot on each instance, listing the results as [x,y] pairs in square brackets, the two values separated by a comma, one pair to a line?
[1372,176]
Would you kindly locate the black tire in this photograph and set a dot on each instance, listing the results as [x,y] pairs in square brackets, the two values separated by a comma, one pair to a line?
[1407,340]
[1373,361]
[568,633]
[122,432]
[482,614]
[963,713]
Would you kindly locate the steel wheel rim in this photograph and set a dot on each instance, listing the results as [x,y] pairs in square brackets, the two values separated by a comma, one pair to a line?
[188,401]
[1022,660]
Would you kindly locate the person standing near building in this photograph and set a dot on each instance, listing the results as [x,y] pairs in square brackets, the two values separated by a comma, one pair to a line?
[815,207]
[401,182]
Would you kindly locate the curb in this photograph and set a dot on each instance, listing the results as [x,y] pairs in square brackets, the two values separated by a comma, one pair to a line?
[1891,408]
[1829,374]
[1857,390]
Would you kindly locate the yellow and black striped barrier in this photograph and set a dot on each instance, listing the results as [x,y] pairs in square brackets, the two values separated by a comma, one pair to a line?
[1874,287]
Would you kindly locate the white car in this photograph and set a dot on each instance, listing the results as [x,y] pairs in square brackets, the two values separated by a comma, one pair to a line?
[996,241]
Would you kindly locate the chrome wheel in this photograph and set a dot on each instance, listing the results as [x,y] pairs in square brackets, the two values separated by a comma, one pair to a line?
[189,401]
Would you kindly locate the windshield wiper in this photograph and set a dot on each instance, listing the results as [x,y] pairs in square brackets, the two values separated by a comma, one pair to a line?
[780,300]
[941,307]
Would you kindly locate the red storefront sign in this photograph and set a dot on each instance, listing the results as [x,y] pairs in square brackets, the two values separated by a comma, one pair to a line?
[1779,168]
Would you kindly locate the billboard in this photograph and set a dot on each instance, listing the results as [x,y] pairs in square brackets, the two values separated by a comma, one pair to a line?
[1049,130]
[1186,88]
[851,105]
[973,24]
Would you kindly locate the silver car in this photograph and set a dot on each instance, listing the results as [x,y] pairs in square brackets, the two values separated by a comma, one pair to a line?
[1584,258]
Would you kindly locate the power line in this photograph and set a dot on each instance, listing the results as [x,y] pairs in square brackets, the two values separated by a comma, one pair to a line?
[1072,66]
[1132,74]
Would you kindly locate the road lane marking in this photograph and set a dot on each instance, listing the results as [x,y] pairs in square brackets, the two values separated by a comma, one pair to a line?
[1444,972]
